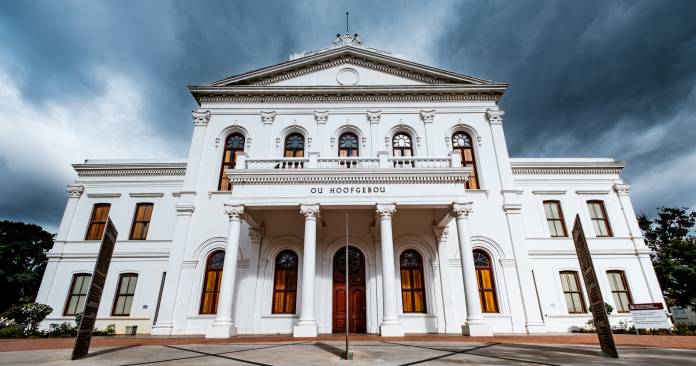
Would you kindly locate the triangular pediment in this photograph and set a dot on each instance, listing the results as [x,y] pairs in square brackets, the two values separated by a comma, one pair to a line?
[348,66]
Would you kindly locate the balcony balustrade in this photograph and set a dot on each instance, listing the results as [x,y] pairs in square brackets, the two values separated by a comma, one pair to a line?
[382,161]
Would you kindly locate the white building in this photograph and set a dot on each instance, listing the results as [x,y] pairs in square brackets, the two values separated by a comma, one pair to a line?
[448,234]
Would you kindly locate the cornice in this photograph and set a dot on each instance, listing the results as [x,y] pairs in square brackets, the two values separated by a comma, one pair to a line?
[355,176]
[136,169]
[333,94]
[565,168]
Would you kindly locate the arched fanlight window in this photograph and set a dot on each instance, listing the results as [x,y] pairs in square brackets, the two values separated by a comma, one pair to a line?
[486,283]
[285,283]
[211,282]
[348,145]
[294,145]
[412,282]
[401,145]
[234,144]
[461,142]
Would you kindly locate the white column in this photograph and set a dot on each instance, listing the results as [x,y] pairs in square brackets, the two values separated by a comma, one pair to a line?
[475,323]
[307,325]
[224,327]
[391,323]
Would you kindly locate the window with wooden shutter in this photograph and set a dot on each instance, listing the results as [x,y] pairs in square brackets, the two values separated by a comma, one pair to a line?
[97,222]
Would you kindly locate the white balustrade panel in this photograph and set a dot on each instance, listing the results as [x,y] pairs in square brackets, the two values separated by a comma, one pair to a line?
[420,162]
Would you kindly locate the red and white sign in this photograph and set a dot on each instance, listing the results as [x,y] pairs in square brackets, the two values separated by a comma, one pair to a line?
[649,316]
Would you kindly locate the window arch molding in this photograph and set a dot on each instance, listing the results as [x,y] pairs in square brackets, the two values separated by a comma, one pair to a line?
[334,141]
[229,130]
[475,148]
[403,128]
[428,257]
[268,257]
[287,131]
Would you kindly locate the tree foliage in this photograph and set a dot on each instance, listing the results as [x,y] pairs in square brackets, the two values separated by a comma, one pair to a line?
[670,237]
[23,250]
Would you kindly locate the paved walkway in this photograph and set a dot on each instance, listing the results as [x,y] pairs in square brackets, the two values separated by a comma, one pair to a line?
[367,350]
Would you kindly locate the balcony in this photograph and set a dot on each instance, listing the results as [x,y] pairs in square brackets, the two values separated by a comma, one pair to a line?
[381,162]
[427,181]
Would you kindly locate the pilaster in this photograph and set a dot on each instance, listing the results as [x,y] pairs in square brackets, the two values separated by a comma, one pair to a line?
[428,116]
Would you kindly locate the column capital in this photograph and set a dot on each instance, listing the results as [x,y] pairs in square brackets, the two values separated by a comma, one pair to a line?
[321,117]
[461,210]
[234,212]
[75,190]
[495,116]
[309,210]
[374,117]
[427,116]
[386,210]
[268,117]
[622,189]
[200,118]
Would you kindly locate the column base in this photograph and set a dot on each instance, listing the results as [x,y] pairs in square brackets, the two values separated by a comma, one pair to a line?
[162,329]
[476,329]
[535,327]
[221,330]
[305,330]
[391,330]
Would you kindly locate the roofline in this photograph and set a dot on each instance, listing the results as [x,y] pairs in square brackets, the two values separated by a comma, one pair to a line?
[490,91]
[346,49]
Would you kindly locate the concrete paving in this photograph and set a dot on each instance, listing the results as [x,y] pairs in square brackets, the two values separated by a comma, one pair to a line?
[364,353]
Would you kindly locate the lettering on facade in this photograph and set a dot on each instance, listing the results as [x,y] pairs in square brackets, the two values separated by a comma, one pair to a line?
[89,314]
[599,312]
[348,190]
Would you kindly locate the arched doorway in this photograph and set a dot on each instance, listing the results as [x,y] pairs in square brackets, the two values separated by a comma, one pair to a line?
[356,297]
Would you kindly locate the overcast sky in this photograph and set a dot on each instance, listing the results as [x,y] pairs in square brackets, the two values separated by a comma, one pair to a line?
[588,78]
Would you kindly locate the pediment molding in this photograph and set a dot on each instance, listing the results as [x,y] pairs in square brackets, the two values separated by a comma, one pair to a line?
[348,55]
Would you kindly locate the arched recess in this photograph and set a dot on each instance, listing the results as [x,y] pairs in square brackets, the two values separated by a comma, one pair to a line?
[429,257]
[467,145]
[415,138]
[362,141]
[284,133]
[267,261]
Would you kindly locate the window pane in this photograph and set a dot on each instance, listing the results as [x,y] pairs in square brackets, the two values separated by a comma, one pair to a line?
[405,279]
[419,302]
[406,297]
[417,279]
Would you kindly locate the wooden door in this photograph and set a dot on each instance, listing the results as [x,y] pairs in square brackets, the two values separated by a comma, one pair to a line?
[356,296]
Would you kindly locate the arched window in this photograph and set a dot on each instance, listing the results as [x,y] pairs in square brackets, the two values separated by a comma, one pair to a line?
[294,145]
[412,282]
[461,142]
[285,283]
[211,282]
[401,145]
[234,144]
[348,145]
[486,284]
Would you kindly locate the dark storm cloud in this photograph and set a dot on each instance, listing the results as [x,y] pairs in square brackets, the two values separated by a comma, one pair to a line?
[590,79]
[587,79]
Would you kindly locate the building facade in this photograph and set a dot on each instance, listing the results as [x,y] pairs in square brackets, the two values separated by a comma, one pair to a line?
[348,146]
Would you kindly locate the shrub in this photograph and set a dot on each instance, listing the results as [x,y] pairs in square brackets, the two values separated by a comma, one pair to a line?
[28,316]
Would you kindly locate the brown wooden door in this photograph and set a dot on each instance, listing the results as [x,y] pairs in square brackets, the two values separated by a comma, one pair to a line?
[356,296]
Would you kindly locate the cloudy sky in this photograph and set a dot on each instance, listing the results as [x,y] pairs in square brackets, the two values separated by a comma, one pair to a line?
[588,78]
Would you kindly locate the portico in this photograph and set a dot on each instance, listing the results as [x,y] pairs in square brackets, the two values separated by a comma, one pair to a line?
[366,197]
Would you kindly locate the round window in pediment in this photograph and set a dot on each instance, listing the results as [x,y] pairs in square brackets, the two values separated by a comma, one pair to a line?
[347,76]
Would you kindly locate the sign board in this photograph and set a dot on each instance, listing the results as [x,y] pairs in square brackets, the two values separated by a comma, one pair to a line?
[649,316]
[599,313]
[89,314]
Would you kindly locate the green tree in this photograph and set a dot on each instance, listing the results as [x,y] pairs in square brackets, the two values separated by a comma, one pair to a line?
[23,250]
[670,236]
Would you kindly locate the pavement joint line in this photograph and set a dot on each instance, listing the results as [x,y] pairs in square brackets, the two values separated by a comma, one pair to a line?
[443,356]
[221,356]
[273,346]
[480,355]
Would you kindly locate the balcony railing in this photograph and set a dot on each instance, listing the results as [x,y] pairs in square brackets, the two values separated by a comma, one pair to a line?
[382,161]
